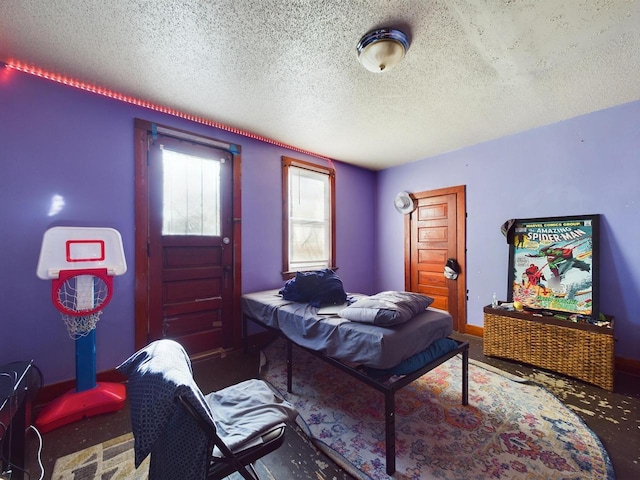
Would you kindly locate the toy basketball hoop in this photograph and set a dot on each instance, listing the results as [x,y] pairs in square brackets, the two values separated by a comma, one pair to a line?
[81,263]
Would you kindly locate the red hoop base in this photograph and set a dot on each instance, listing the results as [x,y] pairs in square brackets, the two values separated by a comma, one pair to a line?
[74,405]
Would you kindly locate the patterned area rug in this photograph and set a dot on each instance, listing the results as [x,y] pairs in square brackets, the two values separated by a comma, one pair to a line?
[110,460]
[509,430]
[113,460]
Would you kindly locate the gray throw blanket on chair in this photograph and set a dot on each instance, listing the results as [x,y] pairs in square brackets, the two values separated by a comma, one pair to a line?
[240,413]
[158,374]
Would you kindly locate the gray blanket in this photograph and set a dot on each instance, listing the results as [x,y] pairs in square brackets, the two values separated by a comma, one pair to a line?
[370,345]
[158,374]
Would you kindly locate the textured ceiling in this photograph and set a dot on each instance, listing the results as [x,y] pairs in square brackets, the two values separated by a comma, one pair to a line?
[287,70]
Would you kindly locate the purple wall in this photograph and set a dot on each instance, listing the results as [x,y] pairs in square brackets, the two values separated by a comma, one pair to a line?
[262,220]
[586,165]
[56,140]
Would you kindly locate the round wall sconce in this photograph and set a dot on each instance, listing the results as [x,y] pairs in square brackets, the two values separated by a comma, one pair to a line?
[404,203]
[381,50]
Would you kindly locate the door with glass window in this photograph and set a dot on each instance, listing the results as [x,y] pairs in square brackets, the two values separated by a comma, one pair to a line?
[190,244]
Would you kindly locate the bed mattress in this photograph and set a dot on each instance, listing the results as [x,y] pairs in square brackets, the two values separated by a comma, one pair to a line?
[347,341]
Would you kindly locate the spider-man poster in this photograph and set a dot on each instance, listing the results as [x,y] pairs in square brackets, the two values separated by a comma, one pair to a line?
[553,264]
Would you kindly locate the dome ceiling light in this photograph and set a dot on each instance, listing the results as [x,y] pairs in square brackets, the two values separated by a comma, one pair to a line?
[381,50]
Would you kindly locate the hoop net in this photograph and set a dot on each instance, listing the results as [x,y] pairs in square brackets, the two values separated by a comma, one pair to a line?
[81,326]
[80,296]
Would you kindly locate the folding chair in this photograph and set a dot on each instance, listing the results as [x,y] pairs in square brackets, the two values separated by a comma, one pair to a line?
[192,436]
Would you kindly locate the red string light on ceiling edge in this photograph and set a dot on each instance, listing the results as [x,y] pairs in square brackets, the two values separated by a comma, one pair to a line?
[42,73]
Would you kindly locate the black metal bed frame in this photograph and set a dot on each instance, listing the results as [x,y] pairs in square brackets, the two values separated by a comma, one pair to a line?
[388,389]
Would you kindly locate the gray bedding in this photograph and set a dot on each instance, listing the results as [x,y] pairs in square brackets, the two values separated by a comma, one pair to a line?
[347,341]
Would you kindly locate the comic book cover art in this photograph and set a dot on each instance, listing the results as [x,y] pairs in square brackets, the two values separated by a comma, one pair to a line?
[552,262]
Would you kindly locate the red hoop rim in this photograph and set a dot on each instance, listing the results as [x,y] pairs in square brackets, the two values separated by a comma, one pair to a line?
[66,275]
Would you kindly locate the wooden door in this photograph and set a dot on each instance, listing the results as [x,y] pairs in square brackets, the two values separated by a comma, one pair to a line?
[190,285]
[435,231]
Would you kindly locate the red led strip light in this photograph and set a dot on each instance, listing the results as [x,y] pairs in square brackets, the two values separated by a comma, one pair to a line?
[42,73]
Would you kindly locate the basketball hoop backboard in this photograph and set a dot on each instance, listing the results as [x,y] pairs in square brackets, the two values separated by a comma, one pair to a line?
[80,248]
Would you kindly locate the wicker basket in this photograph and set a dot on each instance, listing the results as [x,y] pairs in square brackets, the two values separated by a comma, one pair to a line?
[577,350]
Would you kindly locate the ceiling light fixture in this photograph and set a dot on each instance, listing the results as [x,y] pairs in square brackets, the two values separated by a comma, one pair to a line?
[381,50]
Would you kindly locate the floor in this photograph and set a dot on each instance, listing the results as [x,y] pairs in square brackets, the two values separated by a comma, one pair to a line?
[613,416]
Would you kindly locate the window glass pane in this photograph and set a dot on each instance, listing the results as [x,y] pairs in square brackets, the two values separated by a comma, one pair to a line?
[309,219]
[309,195]
[191,194]
[308,245]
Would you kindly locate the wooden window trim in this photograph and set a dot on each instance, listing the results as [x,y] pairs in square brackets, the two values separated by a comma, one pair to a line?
[292,162]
